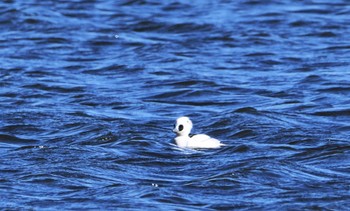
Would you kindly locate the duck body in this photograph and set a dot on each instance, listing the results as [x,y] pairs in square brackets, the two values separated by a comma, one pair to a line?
[183,127]
[197,141]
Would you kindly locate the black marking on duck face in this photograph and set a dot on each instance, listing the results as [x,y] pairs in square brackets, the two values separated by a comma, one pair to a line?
[181,127]
[191,135]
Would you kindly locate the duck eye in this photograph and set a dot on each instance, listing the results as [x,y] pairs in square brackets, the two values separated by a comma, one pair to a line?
[181,127]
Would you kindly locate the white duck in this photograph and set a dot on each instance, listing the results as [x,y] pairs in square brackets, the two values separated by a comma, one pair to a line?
[183,127]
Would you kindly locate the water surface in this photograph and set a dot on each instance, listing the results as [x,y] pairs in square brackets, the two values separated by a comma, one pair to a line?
[90,91]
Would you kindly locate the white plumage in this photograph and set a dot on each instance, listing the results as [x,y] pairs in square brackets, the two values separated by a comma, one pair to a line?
[183,127]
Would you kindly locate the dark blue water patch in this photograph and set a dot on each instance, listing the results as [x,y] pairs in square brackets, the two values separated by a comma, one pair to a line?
[345,112]
[322,34]
[16,141]
[302,23]
[345,47]
[55,88]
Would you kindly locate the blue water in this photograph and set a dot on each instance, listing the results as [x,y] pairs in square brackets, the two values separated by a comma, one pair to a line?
[90,90]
